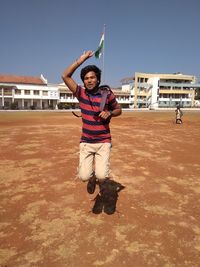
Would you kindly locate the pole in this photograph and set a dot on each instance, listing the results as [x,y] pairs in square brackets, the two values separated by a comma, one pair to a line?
[103,68]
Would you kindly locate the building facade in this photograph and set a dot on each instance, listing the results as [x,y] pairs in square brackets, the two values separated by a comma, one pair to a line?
[68,100]
[162,90]
[144,90]
[24,92]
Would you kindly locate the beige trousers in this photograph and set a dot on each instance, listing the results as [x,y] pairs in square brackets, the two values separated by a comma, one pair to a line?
[94,159]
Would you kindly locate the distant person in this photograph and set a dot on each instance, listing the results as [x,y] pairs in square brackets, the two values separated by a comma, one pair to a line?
[179,114]
[95,143]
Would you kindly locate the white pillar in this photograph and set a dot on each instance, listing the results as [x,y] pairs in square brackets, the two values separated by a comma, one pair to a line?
[13,95]
[2,92]
[22,103]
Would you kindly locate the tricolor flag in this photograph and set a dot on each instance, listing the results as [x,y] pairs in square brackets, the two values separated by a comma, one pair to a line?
[100,48]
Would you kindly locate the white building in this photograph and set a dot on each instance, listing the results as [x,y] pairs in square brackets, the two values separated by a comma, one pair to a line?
[24,92]
[161,90]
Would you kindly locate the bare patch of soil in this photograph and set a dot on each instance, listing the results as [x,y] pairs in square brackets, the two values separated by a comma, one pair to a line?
[46,217]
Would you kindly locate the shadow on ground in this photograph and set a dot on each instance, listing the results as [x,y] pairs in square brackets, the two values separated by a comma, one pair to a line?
[107,201]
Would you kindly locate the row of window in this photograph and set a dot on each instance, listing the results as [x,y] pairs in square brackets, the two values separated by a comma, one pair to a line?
[8,92]
[145,80]
[174,103]
[175,81]
[175,88]
[173,96]
[28,92]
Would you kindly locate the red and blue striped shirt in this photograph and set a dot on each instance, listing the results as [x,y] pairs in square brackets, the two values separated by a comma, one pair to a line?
[94,129]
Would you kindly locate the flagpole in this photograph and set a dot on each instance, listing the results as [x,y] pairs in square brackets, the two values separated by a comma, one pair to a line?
[103,68]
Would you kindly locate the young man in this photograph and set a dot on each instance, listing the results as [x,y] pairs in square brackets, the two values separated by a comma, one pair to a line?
[95,143]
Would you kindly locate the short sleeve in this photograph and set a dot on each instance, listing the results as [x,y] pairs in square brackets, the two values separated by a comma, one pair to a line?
[77,94]
[112,101]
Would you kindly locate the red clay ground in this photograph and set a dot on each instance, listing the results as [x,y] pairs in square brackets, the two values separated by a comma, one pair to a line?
[46,218]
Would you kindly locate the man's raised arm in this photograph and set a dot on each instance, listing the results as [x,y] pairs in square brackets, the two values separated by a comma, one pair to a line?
[68,72]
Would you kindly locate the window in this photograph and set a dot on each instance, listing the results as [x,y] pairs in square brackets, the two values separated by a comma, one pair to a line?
[25,104]
[17,92]
[45,93]
[6,103]
[36,92]
[7,91]
[27,92]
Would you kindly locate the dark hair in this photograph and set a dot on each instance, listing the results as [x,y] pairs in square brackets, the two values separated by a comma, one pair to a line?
[89,68]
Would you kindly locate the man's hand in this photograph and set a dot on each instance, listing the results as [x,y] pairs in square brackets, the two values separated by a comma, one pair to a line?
[85,56]
[105,114]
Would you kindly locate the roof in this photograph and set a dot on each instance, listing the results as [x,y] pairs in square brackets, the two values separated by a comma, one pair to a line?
[127,80]
[21,79]
[170,76]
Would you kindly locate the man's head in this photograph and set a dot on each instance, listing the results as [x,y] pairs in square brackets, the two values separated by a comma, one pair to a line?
[91,76]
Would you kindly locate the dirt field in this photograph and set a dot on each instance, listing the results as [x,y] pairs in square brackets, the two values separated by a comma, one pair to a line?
[46,217]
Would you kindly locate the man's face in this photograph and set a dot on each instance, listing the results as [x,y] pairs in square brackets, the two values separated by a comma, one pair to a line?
[90,80]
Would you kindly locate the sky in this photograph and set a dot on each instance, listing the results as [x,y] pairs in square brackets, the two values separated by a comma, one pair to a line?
[45,36]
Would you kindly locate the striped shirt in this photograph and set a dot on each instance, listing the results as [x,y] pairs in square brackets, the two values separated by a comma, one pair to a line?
[94,129]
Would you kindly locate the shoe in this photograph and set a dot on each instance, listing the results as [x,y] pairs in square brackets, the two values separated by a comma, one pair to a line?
[98,205]
[91,185]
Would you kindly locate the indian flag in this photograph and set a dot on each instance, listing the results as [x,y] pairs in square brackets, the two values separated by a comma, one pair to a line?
[99,51]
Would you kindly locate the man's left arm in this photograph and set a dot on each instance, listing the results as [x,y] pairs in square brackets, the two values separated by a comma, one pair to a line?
[116,112]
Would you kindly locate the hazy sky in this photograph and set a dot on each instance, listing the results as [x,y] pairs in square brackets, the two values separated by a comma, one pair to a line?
[45,36]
